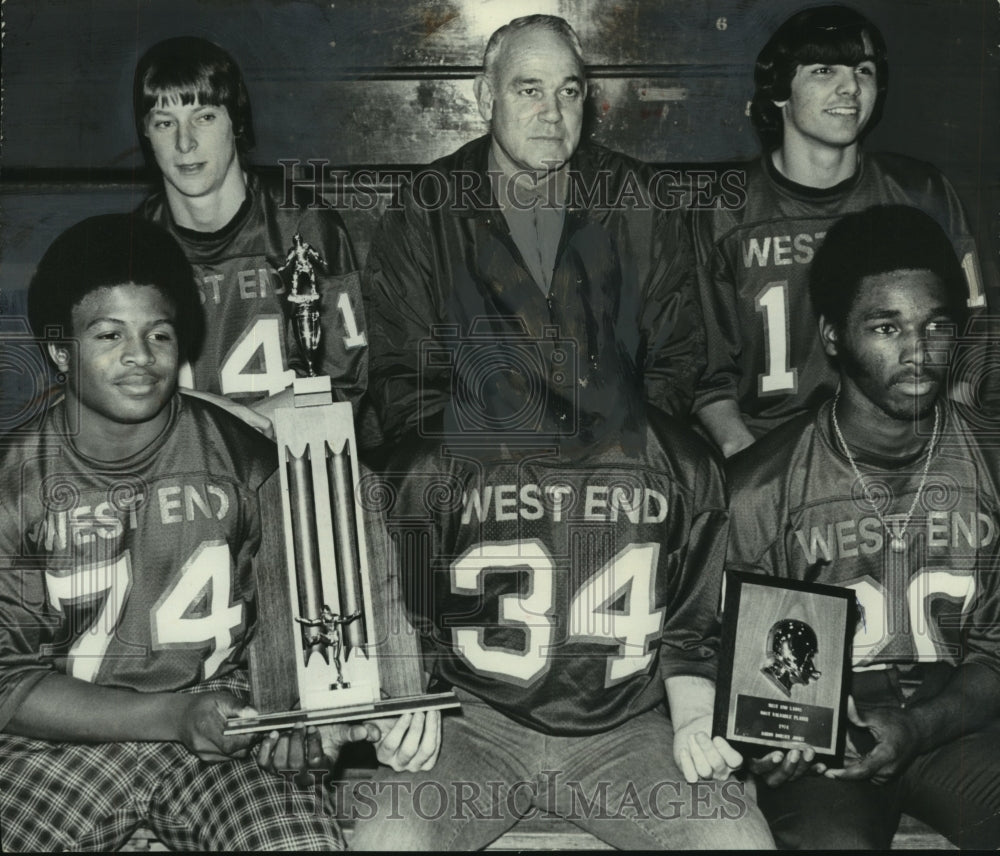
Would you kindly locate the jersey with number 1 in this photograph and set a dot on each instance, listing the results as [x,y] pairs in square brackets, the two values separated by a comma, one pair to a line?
[753,269]
[133,574]
[563,592]
[798,511]
[251,350]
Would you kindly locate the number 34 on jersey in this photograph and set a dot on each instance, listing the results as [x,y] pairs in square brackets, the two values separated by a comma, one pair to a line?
[613,607]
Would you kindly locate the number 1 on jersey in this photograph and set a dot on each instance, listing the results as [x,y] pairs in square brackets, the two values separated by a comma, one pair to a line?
[772,302]
[354,338]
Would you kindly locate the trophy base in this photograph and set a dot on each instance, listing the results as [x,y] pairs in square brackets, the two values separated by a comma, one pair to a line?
[312,391]
[349,713]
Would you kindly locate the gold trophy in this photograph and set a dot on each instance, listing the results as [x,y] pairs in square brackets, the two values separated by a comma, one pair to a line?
[332,643]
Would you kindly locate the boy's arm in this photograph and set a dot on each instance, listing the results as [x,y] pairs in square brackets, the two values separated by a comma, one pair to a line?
[696,752]
[67,709]
[968,701]
[690,641]
[724,423]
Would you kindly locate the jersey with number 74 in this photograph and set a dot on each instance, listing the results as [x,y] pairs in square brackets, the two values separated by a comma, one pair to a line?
[135,574]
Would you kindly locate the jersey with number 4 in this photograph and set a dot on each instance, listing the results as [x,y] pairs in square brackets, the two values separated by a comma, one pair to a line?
[132,574]
[763,348]
[251,350]
[564,592]
[798,511]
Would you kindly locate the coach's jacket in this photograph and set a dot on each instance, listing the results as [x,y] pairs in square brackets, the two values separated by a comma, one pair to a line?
[462,336]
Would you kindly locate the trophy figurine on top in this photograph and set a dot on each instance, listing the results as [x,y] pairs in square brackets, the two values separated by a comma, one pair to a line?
[306,302]
[333,643]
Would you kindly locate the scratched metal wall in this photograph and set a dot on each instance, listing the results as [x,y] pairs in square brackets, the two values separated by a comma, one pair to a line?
[384,82]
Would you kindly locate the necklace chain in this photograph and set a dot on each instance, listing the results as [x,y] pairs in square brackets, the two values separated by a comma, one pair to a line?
[895,539]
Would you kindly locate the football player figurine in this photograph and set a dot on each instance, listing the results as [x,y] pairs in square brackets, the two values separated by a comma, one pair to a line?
[821,82]
[791,646]
[303,256]
[888,491]
[305,300]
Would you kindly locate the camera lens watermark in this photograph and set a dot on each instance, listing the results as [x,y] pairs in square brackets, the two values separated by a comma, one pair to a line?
[28,379]
[499,382]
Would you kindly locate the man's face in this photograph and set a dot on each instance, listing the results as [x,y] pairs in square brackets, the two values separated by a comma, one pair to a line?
[127,355]
[194,145]
[829,105]
[534,100]
[884,352]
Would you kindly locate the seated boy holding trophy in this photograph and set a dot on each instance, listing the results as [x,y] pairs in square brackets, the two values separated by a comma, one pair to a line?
[129,521]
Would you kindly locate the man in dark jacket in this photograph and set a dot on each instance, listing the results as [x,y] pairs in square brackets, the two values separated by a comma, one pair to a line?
[522,279]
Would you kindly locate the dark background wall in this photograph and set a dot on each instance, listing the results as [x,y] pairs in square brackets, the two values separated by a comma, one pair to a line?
[389,82]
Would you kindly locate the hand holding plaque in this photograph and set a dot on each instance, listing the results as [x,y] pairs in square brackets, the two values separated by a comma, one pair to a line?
[332,643]
[784,665]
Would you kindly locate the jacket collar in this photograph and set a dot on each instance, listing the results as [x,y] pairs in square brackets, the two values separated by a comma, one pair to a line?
[473,157]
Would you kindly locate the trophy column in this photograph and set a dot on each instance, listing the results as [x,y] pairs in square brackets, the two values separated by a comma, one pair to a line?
[325,650]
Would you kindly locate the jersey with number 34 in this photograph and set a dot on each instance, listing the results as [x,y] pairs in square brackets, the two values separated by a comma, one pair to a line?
[563,592]
[135,574]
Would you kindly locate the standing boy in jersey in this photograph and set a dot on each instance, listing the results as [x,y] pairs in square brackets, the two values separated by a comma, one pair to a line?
[886,491]
[128,520]
[820,85]
[192,114]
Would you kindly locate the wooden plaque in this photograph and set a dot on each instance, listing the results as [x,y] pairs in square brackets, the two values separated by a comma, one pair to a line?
[784,664]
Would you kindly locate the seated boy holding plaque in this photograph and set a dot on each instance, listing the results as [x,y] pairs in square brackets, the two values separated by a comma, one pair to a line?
[128,520]
[887,491]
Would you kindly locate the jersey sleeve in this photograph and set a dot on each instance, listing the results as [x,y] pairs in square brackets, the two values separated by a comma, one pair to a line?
[690,639]
[982,641]
[982,345]
[980,272]
[755,529]
[27,623]
[717,293]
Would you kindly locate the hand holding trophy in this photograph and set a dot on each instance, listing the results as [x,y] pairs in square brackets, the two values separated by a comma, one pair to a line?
[332,637]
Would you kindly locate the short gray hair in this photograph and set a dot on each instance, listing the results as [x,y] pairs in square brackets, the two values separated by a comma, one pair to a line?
[552,23]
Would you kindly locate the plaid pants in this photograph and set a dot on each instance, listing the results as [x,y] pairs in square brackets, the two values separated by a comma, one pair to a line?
[72,796]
